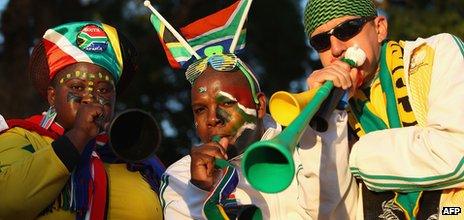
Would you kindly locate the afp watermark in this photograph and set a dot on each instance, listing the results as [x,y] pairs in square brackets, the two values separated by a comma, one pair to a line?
[451,210]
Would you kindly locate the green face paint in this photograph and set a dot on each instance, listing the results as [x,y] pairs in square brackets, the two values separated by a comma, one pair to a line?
[72,97]
[223,115]
[238,117]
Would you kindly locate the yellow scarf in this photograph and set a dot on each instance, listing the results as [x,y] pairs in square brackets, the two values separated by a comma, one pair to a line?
[386,105]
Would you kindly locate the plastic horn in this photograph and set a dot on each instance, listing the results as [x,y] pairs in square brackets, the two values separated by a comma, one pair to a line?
[268,165]
[134,135]
[285,106]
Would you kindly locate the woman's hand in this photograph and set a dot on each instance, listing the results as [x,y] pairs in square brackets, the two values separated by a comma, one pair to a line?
[90,120]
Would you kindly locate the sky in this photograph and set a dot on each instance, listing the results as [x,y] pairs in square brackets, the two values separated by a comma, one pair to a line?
[2,7]
[3,4]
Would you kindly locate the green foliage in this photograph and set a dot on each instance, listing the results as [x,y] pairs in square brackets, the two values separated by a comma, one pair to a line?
[410,23]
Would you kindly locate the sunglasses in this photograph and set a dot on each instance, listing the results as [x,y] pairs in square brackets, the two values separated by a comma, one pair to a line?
[344,31]
[223,63]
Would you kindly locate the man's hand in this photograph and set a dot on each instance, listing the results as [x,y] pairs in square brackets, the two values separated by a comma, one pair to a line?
[202,163]
[342,75]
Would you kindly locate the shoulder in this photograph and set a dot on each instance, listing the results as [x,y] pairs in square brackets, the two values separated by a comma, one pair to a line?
[175,179]
[13,139]
[180,166]
[443,38]
[16,133]
[439,41]
[180,170]
[3,125]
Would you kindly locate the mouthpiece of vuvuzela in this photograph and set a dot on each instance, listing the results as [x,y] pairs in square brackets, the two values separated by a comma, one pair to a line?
[354,56]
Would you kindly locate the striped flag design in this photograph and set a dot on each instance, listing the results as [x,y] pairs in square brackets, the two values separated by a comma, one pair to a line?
[177,54]
[217,29]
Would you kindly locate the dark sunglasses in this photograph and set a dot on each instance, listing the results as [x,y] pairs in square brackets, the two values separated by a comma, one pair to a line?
[344,31]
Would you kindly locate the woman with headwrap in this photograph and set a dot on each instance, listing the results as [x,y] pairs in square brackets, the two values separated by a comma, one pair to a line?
[58,165]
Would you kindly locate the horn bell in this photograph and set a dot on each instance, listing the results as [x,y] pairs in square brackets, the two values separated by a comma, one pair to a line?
[285,107]
[134,135]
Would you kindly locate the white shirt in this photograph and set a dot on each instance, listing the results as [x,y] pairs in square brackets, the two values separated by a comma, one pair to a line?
[322,189]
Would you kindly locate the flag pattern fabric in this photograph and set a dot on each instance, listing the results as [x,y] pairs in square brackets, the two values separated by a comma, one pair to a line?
[90,42]
[178,56]
[215,29]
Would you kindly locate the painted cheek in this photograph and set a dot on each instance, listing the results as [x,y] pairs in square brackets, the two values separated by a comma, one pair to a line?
[103,101]
[236,125]
[247,114]
[241,119]
[223,115]
[73,98]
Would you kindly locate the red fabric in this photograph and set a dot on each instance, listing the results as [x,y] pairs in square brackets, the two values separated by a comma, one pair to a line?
[99,190]
[56,57]
[32,124]
[172,61]
[210,22]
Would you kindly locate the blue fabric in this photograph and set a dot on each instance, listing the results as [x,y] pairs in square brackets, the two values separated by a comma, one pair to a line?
[151,169]
[81,178]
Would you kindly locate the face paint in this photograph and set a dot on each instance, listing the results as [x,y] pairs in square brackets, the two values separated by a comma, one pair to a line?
[86,76]
[74,98]
[223,97]
[223,115]
[90,79]
[248,115]
[103,101]
[202,89]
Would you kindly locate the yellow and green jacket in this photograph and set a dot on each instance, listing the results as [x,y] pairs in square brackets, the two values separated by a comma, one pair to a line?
[418,155]
[36,164]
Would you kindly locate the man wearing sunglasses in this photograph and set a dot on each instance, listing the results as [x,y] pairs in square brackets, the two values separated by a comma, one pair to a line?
[405,109]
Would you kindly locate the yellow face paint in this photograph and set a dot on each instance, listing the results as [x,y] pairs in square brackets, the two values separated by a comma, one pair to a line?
[90,80]
[85,76]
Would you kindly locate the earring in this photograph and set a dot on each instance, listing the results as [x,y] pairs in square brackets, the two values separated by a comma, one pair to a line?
[48,118]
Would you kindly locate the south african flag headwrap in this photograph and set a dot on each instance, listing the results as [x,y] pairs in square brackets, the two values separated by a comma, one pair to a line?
[85,41]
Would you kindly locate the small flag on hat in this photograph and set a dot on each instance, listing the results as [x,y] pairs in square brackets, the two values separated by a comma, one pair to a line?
[222,28]
[219,28]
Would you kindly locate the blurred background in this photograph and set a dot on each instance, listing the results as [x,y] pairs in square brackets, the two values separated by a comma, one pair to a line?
[277,50]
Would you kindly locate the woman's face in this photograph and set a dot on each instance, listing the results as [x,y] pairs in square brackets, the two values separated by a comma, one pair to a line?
[78,84]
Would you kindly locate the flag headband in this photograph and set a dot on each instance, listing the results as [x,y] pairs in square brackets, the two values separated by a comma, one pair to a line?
[206,40]
[223,62]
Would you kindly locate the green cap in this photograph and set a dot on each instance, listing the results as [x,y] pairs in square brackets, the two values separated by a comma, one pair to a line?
[319,12]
